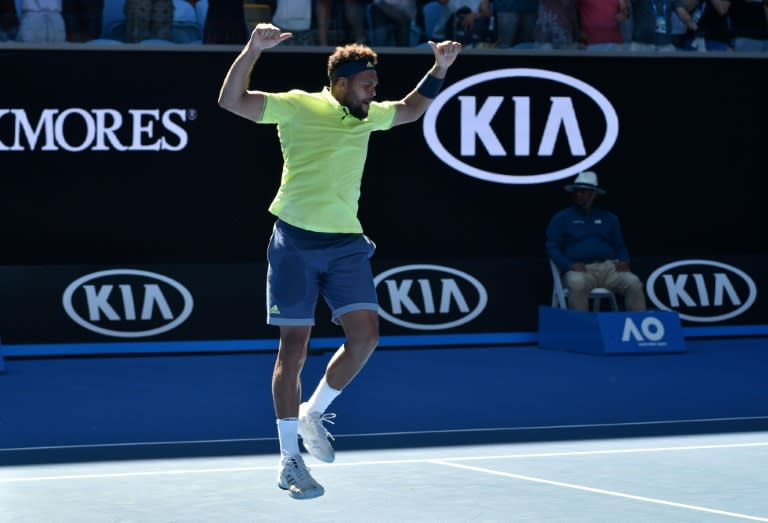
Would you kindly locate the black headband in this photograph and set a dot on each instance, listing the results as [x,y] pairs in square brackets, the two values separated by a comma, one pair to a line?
[350,68]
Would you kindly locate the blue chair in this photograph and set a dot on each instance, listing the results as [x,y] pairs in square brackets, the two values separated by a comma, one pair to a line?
[186,32]
[184,12]
[201,10]
[185,28]
[104,41]
[155,41]
[113,20]
[415,33]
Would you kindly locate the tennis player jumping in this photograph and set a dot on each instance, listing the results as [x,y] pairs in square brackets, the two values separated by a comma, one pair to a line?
[317,245]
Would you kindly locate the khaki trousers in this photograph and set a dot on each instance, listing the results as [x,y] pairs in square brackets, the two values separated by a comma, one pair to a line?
[604,274]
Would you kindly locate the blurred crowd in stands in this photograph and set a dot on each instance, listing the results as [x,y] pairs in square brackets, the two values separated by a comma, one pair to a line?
[600,25]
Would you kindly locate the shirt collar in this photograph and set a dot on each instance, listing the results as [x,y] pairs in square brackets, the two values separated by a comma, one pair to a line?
[326,94]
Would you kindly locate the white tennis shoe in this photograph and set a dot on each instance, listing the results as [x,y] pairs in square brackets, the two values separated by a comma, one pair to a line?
[314,435]
[294,477]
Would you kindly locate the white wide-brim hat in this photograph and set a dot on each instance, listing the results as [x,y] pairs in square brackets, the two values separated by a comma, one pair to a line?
[585,180]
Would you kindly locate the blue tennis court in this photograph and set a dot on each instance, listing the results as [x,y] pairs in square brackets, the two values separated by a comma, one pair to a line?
[423,435]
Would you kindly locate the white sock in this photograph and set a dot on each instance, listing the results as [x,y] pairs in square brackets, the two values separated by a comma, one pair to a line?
[322,397]
[288,432]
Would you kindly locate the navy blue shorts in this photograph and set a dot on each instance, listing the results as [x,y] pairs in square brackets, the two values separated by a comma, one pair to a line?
[305,264]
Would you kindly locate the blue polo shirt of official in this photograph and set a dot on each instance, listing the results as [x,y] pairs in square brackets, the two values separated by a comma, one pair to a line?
[575,235]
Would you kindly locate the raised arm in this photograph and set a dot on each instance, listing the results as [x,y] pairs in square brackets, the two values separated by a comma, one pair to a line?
[234,95]
[415,104]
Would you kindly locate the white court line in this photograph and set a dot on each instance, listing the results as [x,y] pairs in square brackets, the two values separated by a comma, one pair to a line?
[615,451]
[403,433]
[175,472]
[138,444]
[145,473]
[602,491]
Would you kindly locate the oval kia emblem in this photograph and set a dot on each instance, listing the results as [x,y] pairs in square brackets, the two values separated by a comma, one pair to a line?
[701,290]
[429,297]
[127,303]
[521,126]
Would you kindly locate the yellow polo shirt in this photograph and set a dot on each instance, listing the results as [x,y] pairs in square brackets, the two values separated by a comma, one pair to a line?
[324,151]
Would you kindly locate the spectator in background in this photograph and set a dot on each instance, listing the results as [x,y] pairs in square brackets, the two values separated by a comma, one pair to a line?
[600,23]
[557,25]
[466,21]
[441,29]
[714,26]
[354,12]
[148,19]
[664,14]
[515,21]
[641,26]
[41,21]
[586,244]
[749,25]
[295,16]
[225,23]
[685,24]
[82,19]
[649,25]
[394,17]
[9,21]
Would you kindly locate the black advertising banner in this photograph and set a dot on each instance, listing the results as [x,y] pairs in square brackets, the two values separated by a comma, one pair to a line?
[168,308]
[121,160]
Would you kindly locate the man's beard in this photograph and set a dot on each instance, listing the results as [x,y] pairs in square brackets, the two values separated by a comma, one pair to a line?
[358,112]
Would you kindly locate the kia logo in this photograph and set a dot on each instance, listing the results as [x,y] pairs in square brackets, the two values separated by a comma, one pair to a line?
[429,297]
[127,303]
[521,126]
[701,290]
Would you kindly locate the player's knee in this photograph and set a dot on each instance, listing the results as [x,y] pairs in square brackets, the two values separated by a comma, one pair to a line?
[293,345]
[289,363]
[364,342]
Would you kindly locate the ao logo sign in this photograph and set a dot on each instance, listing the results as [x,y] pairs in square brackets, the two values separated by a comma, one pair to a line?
[127,303]
[522,126]
[429,297]
[701,290]
[650,332]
